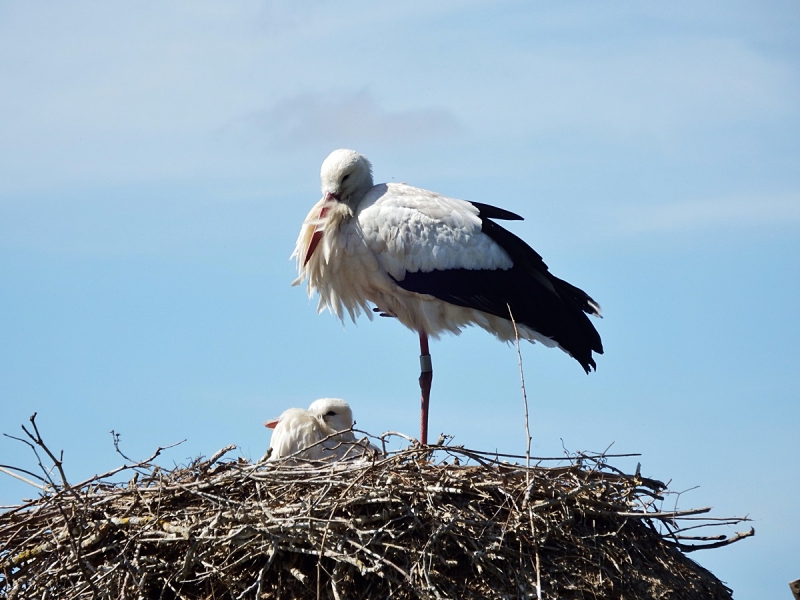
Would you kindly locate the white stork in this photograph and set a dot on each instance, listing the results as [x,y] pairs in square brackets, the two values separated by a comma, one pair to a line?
[322,432]
[438,264]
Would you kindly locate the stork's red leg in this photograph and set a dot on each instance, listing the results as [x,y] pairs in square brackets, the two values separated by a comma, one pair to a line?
[425,379]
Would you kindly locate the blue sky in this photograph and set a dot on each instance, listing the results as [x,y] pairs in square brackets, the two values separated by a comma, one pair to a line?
[156,162]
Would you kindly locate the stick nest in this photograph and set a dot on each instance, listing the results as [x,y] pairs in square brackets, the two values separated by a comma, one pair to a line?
[424,522]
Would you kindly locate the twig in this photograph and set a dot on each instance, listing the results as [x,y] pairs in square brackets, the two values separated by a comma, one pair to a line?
[8,470]
[524,393]
[37,439]
[734,538]
[220,453]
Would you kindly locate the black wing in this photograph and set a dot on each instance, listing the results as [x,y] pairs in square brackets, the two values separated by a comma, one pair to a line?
[538,299]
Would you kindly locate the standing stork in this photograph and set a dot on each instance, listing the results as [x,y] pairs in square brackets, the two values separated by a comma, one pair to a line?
[437,264]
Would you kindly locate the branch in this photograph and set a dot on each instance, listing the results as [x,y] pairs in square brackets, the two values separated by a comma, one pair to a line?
[7,470]
[734,538]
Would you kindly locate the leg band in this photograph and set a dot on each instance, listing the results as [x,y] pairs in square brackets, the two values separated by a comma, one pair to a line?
[425,363]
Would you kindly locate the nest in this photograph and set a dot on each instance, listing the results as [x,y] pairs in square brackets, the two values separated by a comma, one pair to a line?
[423,522]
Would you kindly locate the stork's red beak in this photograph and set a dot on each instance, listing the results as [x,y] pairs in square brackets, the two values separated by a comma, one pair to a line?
[272,424]
[315,240]
[317,235]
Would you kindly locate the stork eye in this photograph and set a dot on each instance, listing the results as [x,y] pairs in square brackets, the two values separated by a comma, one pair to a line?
[345,177]
[330,413]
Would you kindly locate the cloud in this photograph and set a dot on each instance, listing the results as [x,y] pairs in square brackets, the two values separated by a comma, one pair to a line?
[344,119]
[655,88]
[742,211]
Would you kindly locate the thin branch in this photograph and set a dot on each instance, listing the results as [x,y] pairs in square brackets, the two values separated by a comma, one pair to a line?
[37,439]
[524,393]
[9,471]
[734,538]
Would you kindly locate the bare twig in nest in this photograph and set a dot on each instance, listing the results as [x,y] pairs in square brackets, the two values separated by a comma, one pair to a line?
[15,473]
[36,438]
[532,522]
[524,393]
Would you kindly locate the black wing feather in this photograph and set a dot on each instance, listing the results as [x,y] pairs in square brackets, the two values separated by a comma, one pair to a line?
[538,299]
[488,211]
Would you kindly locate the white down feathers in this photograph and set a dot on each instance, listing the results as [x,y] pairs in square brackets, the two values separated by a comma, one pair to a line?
[321,433]
[297,430]
[394,229]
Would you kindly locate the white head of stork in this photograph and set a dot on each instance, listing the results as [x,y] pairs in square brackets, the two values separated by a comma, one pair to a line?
[322,432]
[346,177]
[335,414]
[438,264]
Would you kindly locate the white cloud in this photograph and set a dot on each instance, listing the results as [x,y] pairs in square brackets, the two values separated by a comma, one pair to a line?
[102,93]
[741,211]
[649,87]
[344,119]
